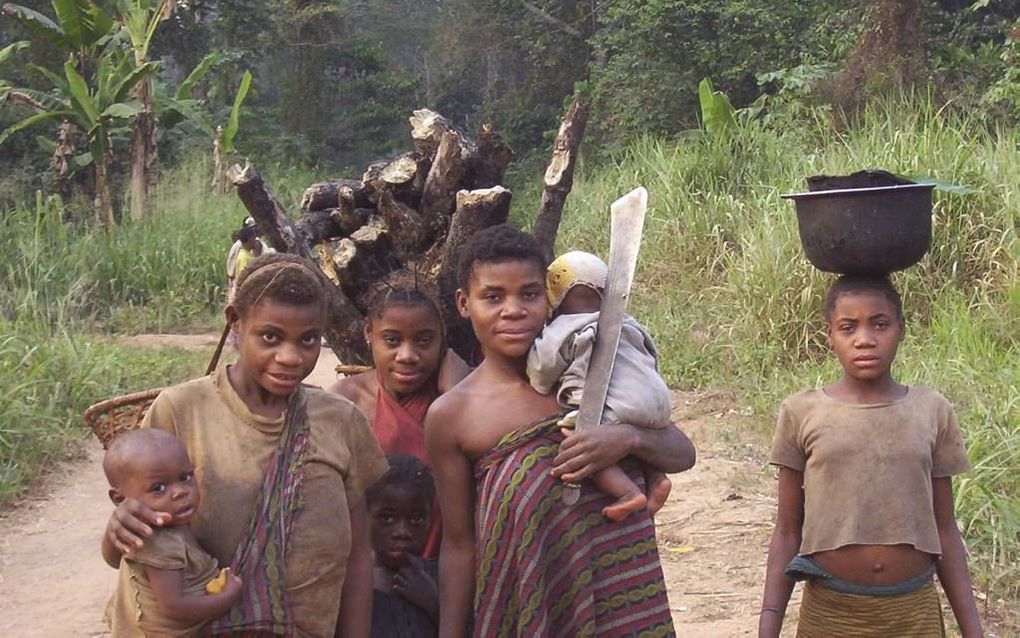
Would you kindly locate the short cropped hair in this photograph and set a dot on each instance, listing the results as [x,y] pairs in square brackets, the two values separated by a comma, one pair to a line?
[281,277]
[128,447]
[857,284]
[405,470]
[498,244]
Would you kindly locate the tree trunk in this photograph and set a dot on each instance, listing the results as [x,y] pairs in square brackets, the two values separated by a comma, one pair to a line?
[439,195]
[103,202]
[475,211]
[887,57]
[492,159]
[559,176]
[344,322]
[325,195]
[144,153]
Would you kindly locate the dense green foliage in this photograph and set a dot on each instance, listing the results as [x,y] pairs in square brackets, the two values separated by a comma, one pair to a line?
[334,81]
[724,287]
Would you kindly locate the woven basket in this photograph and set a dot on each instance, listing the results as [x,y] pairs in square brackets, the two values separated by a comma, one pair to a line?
[351,369]
[109,418]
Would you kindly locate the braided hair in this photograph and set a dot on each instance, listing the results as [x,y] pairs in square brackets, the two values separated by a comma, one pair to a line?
[281,277]
[405,289]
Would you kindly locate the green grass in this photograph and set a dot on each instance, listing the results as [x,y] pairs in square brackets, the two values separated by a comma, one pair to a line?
[724,287]
[49,380]
[66,285]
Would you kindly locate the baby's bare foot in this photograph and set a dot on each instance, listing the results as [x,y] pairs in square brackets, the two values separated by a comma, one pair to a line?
[659,487]
[625,505]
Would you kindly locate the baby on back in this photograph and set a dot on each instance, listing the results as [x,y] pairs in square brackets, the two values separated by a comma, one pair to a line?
[559,360]
[163,587]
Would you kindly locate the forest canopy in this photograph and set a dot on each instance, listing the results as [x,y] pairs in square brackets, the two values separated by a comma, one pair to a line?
[333,81]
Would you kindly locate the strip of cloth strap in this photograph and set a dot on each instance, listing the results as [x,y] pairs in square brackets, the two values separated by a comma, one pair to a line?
[260,557]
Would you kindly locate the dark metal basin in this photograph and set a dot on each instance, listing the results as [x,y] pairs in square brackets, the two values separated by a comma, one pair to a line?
[865,230]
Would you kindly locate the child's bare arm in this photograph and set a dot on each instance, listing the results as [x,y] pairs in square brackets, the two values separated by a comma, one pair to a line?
[452,471]
[952,567]
[168,588]
[129,525]
[356,597]
[784,546]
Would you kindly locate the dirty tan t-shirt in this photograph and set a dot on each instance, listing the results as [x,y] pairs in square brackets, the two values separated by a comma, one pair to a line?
[231,447]
[868,468]
[134,610]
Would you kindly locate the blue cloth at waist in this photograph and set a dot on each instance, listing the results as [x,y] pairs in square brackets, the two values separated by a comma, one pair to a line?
[806,568]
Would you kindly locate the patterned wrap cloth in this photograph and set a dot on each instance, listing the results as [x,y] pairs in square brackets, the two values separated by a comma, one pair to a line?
[261,556]
[546,569]
[826,613]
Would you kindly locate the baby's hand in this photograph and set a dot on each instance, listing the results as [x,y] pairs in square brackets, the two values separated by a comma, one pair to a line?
[413,583]
[232,589]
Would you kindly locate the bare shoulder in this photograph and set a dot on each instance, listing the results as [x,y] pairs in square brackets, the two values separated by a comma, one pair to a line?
[359,389]
[445,409]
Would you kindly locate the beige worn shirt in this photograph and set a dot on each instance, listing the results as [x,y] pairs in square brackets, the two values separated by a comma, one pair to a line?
[134,610]
[868,468]
[231,447]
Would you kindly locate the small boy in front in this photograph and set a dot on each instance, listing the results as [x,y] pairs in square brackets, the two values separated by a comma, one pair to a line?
[162,586]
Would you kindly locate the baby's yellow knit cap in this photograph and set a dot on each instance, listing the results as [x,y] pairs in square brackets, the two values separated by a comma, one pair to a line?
[575,268]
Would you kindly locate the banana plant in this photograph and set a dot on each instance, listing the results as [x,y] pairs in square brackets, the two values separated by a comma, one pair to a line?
[97,109]
[80,28]
[139,20]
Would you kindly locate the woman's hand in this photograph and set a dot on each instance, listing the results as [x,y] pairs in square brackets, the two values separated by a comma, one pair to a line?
[129,525]
[590,450]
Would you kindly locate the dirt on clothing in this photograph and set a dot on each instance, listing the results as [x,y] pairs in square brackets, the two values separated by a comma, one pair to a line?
[713,532]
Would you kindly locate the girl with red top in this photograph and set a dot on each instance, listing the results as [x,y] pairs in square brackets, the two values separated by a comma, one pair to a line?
[412,368]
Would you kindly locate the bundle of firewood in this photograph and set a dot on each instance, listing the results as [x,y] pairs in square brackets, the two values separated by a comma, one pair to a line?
[409,213]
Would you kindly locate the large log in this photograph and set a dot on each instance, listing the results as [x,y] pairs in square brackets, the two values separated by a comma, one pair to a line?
[439,196]
[404,177]
[344,321]
[559,175]
[408,229]
[274,224]
[427,128]
[475,211]
[318,225]
[358,262]
[493,157]
[324,195]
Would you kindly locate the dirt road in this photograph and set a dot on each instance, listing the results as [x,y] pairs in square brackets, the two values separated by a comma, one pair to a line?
[713,532]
